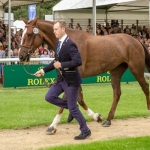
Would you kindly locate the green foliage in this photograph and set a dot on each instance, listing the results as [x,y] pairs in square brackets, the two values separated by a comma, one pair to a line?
[25,107]
[139,143]
[42,9]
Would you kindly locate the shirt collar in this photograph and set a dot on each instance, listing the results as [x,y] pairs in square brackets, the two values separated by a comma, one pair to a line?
[63,38]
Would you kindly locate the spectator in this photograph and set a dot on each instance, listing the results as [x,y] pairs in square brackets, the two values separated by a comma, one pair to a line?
[89,29]
[36,54]
[99,32]
[140,31]
[77,25]
[14,45]
[79,28]
[52,53]
[1,37]
[2,51]
[20,32]
[70,25]
[5,45]
[15,53]
[45,55]
[133,30]
[127,30]
[118,28]
[17,39]
[41,49]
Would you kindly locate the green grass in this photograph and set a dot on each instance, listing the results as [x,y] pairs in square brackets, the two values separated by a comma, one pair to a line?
[139,143]
[26,107]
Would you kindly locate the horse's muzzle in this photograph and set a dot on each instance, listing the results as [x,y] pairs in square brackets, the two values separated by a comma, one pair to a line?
[23,58]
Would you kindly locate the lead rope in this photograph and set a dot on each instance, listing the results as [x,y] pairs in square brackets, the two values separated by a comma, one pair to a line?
[46,83]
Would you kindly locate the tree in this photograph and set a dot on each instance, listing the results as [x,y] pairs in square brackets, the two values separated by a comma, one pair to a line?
[42,9]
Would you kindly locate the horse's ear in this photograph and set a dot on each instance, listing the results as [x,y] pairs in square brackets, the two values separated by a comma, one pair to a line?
[36,18]
[24,20]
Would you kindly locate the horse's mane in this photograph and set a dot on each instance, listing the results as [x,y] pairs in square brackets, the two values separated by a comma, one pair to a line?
[46,21]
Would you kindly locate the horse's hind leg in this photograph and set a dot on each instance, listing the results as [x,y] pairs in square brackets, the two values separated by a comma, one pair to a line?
[138,72]
[116,75]
[96,116]
[53,126]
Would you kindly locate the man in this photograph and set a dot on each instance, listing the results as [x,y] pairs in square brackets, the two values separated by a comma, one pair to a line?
[67,59]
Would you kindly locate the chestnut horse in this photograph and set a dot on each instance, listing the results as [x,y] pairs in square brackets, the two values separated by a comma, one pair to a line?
[114,53]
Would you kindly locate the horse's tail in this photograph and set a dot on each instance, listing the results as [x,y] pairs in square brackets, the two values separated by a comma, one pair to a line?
[147,57]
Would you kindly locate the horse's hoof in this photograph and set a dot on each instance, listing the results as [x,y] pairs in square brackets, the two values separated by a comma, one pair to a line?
[51,131]
[106,123]
[70,118]
[99,118]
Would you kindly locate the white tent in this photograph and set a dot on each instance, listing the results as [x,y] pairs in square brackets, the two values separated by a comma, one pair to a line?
[129,11]
[19,24]
[78,4]
[112,5]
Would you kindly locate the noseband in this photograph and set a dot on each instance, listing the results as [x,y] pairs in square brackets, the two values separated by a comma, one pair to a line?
[36,31]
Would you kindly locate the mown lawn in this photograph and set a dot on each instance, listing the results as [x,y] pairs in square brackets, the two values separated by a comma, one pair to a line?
[26,107]
[139,143]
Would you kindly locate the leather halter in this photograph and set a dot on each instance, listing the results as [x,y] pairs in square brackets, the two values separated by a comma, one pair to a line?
[30,48]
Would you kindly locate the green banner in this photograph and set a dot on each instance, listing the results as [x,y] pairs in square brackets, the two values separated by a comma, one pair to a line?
[16,76]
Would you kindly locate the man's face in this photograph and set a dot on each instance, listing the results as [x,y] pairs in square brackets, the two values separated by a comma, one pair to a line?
[58,31]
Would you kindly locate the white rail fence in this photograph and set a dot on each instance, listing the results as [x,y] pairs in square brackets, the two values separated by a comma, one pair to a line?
[2,60]
[16,61]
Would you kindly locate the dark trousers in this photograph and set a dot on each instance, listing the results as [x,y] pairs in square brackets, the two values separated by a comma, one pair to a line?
[70,103]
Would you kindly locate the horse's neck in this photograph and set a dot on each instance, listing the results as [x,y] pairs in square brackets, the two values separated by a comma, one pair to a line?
[77,36]
[47,33]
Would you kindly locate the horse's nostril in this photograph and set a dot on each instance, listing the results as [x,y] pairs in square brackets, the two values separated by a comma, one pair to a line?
[21,57]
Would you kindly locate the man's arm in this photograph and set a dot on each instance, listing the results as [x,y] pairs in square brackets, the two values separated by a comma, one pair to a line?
[75,58]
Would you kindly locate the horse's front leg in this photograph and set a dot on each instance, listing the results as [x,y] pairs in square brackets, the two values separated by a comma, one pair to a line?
[96,116]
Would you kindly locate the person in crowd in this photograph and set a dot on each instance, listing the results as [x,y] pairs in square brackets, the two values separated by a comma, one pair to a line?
[5,31]
[14,45]
[20,32]
[12,33]
[89,29]
[45,55]
[140,31]
[127,30]
[17,39]
[5,45]
[2,26]
[1,37]
[6,39]
[15,53]
[41,48]
[52,53]
[36,54]
[133,30]
[99,32]
[2,51]
[70,25]
[78,26]
[67,60]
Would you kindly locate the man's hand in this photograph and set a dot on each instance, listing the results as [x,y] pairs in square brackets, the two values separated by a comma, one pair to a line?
[39,73]
[57,64]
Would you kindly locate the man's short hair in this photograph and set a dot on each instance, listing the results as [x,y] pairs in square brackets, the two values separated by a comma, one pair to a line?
[62,23]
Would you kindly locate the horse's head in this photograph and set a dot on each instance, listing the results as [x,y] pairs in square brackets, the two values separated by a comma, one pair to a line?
[31,39]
